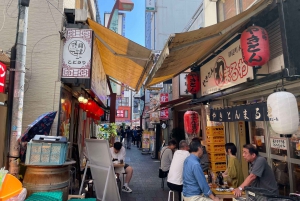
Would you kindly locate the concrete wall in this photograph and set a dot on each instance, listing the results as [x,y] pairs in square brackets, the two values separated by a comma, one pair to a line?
[42,86]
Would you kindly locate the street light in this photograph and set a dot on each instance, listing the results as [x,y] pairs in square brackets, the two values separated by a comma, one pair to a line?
[124,5]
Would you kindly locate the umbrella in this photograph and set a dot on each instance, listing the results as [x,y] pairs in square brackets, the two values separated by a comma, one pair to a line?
[41,126]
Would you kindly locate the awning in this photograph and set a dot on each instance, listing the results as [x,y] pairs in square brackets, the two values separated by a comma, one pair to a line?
[182,50]
[174,102]
[122,59]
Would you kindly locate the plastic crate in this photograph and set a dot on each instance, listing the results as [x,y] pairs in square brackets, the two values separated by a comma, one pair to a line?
[217,157]
[41,153]
[218,166]
[215,139]
[215,130]
[216,148]
[46,196]
[259,194]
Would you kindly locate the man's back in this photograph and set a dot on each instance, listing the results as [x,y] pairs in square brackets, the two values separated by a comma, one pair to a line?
[176,168]
[166,158]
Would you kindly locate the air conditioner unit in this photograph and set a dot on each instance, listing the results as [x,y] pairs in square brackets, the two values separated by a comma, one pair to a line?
[81,11]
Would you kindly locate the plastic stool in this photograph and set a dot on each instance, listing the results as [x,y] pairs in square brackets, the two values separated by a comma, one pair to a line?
[169,197]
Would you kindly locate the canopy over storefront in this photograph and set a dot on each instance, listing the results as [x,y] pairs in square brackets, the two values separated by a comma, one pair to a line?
[183,50]
[122,59]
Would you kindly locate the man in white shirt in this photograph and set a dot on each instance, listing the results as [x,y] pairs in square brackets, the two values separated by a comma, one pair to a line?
[175,181]
[118,153]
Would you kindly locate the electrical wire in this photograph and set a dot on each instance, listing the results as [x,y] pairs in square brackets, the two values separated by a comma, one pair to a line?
[28,83]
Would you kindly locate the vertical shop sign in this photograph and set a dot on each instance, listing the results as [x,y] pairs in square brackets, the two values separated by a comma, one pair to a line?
[76,61]
[164,113]
[150,5]
[2,77]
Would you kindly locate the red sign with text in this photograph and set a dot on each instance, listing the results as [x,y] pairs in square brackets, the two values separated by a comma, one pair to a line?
[2,77]
[120,113]
[164,114]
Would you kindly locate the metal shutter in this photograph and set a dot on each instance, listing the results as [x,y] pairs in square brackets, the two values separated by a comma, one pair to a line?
[275,41]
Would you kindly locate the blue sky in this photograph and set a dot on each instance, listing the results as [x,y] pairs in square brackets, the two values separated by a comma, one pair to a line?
[134,20]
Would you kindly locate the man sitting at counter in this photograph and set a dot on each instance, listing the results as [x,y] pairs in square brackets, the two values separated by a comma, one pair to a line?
[261,174]
[118,153]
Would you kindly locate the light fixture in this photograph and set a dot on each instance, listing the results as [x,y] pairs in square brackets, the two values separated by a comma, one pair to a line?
[80,98]
[85,101]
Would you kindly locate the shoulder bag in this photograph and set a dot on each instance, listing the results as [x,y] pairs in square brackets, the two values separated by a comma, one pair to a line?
[161,173]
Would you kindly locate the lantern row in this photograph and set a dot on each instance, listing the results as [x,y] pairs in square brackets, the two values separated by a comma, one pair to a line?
[92,109]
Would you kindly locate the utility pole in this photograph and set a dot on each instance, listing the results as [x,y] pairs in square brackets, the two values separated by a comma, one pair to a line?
[18,93]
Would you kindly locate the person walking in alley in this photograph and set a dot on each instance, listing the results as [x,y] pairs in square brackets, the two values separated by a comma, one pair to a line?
[129,134]
[234,171]
[118,153]
[139,137]
[174,181]
[123,135]
[195,187]
[261,174]
[134,136]
[166,155]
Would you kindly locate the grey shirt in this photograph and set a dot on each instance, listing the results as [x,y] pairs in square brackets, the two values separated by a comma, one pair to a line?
[166,156]
[264,175]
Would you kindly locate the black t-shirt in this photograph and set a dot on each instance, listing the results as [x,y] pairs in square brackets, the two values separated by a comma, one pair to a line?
[129,133]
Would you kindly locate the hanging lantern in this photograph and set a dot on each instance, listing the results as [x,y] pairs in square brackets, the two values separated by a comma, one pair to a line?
[89,105]
[2,77]
[192,82]
[283,112]
[255,46]
[191,123]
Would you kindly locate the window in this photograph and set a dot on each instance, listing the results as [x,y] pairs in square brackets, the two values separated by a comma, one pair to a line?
[123,101]
[126,113]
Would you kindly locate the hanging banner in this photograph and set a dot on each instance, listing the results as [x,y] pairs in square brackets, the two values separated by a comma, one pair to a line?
[227,69]
[2,77]
[136,102]
[146,140]
[254,112]
[154,104]
[77,50]
[164,114]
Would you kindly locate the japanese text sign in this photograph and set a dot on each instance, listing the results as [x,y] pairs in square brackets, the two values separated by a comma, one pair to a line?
[76,62]
[164,113]
[2,77]
[278,143]
[226,70]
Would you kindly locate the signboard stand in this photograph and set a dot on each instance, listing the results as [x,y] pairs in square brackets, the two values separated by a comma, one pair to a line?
[102,170]
[146,143]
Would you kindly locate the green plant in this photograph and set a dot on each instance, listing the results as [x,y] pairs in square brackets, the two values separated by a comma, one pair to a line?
[107,131]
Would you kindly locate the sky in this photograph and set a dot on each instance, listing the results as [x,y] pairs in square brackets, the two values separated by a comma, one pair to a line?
[134,20]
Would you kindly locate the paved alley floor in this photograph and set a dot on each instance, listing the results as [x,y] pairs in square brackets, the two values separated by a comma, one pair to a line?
[145,183]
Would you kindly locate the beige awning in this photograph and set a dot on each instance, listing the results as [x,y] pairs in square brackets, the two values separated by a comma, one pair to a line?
[182,50]
[123,59]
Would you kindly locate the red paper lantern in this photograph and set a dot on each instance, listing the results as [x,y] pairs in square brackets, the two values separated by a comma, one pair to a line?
[191,123]
[89,105]
[82,106]
[255,46]
[193,82]
[2,77]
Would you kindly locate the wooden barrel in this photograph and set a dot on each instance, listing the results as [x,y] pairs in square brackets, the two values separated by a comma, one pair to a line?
[47,179]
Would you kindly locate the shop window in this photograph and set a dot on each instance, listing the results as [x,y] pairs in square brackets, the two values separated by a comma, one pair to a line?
[295,139]
[123,101]
[296,178]
[281,173]
[258,132]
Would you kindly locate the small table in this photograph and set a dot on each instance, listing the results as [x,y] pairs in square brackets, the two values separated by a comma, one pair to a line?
[119,165]
[225,194]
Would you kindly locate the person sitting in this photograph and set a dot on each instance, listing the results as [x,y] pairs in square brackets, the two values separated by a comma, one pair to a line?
[118,153]
[195,186]
[167,155]
[234,171]
[260,174]
[174,181]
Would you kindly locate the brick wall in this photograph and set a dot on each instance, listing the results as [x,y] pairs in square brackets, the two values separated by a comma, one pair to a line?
[229,9]
[42,86]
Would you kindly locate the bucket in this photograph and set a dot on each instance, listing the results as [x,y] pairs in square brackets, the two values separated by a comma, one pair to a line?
[47,179]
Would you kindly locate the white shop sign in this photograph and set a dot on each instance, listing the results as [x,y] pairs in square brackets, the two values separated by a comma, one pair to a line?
[278,143]
[182,85]
[76,61]
[226,70]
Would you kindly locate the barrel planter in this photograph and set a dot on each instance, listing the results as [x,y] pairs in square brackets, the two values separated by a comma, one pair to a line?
[47,179]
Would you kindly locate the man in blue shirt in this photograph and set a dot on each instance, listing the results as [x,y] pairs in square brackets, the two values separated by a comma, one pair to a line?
[195,187]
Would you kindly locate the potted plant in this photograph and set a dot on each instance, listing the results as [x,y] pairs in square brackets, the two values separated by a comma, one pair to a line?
[108,132]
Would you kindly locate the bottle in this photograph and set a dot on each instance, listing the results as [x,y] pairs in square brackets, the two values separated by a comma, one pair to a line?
[84,161]
[221,179]
[209,178]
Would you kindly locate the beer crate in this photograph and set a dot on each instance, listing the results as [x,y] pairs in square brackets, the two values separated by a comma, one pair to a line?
[218,166]
[215,130]
[217,157]
[216,148]
[215,139]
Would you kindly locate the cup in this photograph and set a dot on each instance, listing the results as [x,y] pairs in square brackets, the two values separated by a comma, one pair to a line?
[121,161]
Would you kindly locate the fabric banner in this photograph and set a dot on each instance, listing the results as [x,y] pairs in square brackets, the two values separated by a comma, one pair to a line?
[253,112]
